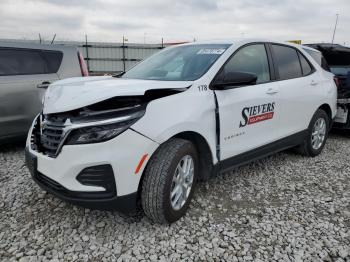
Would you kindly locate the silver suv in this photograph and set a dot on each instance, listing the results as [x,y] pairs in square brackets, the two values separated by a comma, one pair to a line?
[26,70]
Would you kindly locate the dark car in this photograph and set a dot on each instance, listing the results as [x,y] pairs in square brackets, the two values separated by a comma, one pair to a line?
[336,59]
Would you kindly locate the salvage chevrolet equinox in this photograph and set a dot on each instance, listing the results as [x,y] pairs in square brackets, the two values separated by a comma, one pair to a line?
[190,111]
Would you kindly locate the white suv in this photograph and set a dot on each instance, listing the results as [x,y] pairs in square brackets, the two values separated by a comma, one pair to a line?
[180,116]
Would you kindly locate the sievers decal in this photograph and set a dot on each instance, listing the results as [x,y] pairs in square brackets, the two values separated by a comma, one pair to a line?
[255,114]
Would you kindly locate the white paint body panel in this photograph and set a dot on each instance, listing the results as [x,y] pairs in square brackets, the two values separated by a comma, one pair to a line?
[299,98]
[123,153]
[188,111]
[235,139]
[192,110]
[73,93]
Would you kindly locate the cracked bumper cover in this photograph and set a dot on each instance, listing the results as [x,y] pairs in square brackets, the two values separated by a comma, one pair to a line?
[123,153]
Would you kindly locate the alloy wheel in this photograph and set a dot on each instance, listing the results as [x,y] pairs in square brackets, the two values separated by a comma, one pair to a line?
[182,182]
[318,133]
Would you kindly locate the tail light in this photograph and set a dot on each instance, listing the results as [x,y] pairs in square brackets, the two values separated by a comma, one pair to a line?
[336,81]
[83,67]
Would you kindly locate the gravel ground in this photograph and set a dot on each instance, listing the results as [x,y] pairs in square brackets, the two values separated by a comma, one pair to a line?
[285,207]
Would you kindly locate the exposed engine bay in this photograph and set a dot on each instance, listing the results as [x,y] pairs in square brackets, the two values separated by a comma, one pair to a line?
[100,121]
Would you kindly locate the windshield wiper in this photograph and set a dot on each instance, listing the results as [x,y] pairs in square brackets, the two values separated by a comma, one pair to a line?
[117,75]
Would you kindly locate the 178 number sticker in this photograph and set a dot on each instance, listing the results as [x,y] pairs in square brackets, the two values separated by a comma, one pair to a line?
[202,88]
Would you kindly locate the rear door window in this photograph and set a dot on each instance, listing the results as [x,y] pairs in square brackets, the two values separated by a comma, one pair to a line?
[287,62]
[16,61]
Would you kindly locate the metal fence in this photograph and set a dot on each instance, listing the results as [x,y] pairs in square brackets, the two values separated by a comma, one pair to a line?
[104,58]
[114,57]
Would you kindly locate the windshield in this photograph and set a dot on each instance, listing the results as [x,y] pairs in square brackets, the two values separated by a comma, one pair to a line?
[182,63]
[340,70]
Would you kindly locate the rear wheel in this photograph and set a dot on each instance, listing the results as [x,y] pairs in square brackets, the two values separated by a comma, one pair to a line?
[317,134]
[169,181]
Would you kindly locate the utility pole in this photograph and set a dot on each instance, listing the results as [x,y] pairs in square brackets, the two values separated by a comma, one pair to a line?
[87,53]
[335,28]
[124,53]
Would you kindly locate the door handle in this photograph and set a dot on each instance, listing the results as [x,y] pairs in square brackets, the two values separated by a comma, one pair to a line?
[314,83]
[271,91]
[44,84]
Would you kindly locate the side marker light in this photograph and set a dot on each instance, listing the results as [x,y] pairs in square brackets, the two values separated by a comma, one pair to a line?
[143,158]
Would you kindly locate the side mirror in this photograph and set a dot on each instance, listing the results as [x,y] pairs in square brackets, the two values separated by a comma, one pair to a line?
[230,80]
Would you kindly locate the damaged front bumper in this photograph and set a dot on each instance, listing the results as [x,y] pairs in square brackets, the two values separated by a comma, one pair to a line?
[90,199]
[114,160]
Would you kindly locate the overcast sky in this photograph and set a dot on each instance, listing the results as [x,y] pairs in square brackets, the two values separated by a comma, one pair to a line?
[181,20]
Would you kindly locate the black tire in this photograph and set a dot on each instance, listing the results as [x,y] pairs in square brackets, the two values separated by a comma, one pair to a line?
[306,148]
[158,177]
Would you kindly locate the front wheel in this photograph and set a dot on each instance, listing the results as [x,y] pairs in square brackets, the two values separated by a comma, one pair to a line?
[317,134]
[169,181]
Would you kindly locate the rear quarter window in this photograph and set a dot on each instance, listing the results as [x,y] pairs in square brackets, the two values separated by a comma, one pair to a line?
[305,65]
[317,56]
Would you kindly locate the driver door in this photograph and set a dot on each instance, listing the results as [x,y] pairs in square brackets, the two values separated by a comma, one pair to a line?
[249,115]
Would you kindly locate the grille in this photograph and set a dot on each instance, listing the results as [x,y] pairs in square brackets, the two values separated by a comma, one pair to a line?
[51,138]
[47,138]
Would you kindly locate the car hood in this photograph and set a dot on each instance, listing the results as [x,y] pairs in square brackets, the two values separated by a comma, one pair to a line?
[75,93]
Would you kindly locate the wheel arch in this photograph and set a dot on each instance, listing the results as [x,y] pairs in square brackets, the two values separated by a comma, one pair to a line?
[205,156]
[326,107]
[204,153]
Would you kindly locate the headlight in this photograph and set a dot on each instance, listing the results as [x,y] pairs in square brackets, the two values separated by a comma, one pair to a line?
[95,134]
[102,132]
